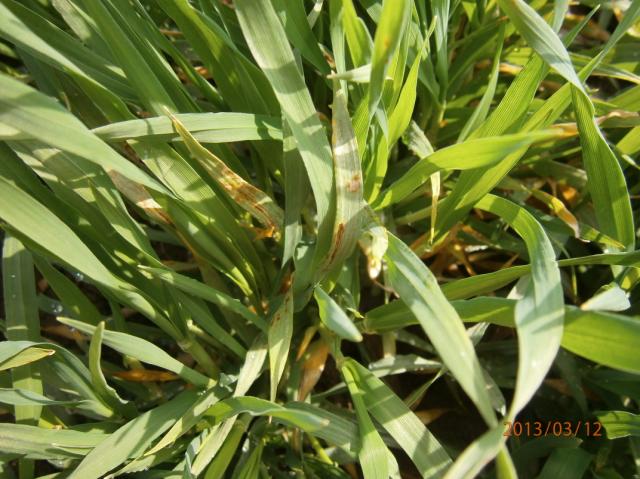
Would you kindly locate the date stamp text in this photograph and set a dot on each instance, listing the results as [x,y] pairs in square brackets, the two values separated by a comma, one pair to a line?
[553,428]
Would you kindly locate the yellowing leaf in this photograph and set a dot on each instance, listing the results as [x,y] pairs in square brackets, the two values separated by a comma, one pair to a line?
[248,197]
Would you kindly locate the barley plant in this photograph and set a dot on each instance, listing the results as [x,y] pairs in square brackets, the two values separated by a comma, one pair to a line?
[323,239]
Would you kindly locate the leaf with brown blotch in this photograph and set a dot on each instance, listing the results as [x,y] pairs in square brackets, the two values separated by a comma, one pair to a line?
[138,195]
[313,366]
[309,333]
[145,375]
[348,179]
[251,199]
[559,209]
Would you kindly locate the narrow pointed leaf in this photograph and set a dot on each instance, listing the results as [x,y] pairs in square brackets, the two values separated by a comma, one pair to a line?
[334,318]
[130,440]
[419,290]
[143,350]
[279,338]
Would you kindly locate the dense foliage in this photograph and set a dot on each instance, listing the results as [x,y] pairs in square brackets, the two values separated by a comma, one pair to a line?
[330,238]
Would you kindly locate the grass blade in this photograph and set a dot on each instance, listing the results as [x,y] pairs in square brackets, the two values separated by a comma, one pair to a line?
[373,452]
[39,443]
[471,154]
[620,423]
[259,407]
[247,196]
[606,179]
[267,41]
[393,414]
[541,37]
[334,318]
[418,288]
[38,116]
[348,181]
[279,338]
[22,324]
[539,314]
[132,439]
[221,127]
[103,390]
[25,397]
[391,27]
[143,350]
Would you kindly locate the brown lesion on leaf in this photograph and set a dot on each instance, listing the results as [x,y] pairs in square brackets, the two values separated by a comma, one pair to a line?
[250,198]
[139,195]
[355,183]
[262,233]
[330,60]
[131,154]
[313,366]
[309,333]
[282,309]
[286,283]
[63,331]
[337,243]
[200,70]
[145,375]
[171,33]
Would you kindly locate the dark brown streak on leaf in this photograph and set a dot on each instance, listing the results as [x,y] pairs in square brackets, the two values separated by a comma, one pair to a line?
[286,283]
[337,243]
